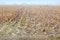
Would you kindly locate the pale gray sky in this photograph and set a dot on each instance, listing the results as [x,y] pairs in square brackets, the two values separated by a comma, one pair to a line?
[30,2]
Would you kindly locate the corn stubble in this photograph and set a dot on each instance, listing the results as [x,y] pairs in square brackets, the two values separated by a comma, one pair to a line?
[34,22]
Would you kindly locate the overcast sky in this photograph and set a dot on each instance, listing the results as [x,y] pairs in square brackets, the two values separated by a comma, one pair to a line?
[30,2]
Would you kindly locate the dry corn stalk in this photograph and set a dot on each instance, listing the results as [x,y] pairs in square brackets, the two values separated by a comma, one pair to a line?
[27,22]
[21,19]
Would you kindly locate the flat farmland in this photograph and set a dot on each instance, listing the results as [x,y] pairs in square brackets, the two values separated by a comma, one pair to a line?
[29,22]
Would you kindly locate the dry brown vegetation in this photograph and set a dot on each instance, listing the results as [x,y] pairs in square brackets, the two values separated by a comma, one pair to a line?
[33,20]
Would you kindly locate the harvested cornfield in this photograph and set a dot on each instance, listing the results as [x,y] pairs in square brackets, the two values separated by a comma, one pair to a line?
[29,22]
